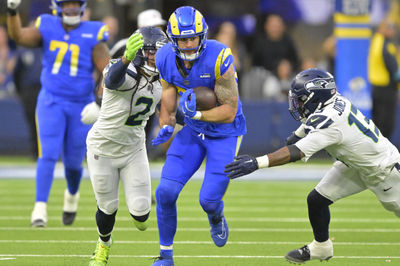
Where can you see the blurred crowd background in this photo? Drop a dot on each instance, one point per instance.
(271, 40)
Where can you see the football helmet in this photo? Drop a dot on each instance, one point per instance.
(187, 22)
(311, 90)
(153, 39)
(69, 16)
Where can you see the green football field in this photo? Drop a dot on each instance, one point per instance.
(266, 220)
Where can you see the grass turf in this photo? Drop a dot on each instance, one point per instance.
(266, 220)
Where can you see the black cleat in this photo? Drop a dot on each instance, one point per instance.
(298, 256)
(68, 218)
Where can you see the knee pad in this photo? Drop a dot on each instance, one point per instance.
(167, 192)
(139, 205)
(314, 199)
(108, 207)
(211, 207)
(141, 218)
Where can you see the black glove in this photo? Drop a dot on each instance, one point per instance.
(244, 164)
(292, 139)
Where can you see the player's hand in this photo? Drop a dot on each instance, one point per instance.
(163, 135)
(243, 165)
(187, 103)
(292, 139)
(13, 4)
(134, 43)
(90, 113)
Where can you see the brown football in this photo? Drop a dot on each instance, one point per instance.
(205, 98)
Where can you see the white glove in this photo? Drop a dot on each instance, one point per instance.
(90, 113)
(13, 4)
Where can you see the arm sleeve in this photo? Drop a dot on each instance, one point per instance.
(114, 74)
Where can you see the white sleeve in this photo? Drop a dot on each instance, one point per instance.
(317, 140)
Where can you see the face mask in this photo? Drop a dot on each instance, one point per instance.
(71, 20)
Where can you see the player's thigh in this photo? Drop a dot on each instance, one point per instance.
(135, 178)
(339, 182)
(105, 180)
(75, 137)
(220, 151)
(51, 125)
(388, 191)
(184, 156)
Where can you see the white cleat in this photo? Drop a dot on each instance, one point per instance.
(70, 207)
(313, 251)
(39, 215)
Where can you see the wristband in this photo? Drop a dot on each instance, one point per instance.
(197, 116)
(263, 161)
(11, 12)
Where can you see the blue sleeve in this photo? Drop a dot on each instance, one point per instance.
(116, 75)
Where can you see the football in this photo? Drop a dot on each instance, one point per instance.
(205, 98)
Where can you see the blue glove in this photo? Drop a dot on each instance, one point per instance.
(186, 105)
(163, 135)
(292, 139)
(244, 164)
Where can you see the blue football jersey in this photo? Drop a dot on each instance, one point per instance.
(67, 57)
(208, 68)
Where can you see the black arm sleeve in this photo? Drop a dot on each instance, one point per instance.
(294, 153)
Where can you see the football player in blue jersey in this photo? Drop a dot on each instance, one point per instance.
(72, 50)
(187, 62)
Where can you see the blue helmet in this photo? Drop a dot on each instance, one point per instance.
(187, 22)
(56, 6)
(311, 90)
(153, 39)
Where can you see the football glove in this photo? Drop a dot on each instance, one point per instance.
(292, 139)
(134, 43)
(13, 4)
(90, 113)
(243, 165)
(163, 135)
(187, 103)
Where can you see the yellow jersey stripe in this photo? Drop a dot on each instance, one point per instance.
(39, 145)
(217, 69)
(38, 21)
(100, 35)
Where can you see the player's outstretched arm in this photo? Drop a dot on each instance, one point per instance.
(246, 164)
(29, 36)
(227, 94)
(167, 118)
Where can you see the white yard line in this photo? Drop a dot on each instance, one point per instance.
(192, 229)
(190, 256)
(129, 242)
(229, 219)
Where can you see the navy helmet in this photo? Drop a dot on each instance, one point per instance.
(311, 90)
(153, 39)
(187, 22)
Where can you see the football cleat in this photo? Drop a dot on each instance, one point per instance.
(142, 226)
(313, 251)
(70, 207)
(100, 255)
(39, 215)
(163, 260)
(219, 230)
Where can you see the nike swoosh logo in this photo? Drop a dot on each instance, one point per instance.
(249, 161)
(313, 120)
(223, 234)
(227, 63)
(386, 189)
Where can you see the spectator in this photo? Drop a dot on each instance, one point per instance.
(27, 83)
(113, 29)
(275, 47)
(226, 33)
(7, 63)
(384, 74)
